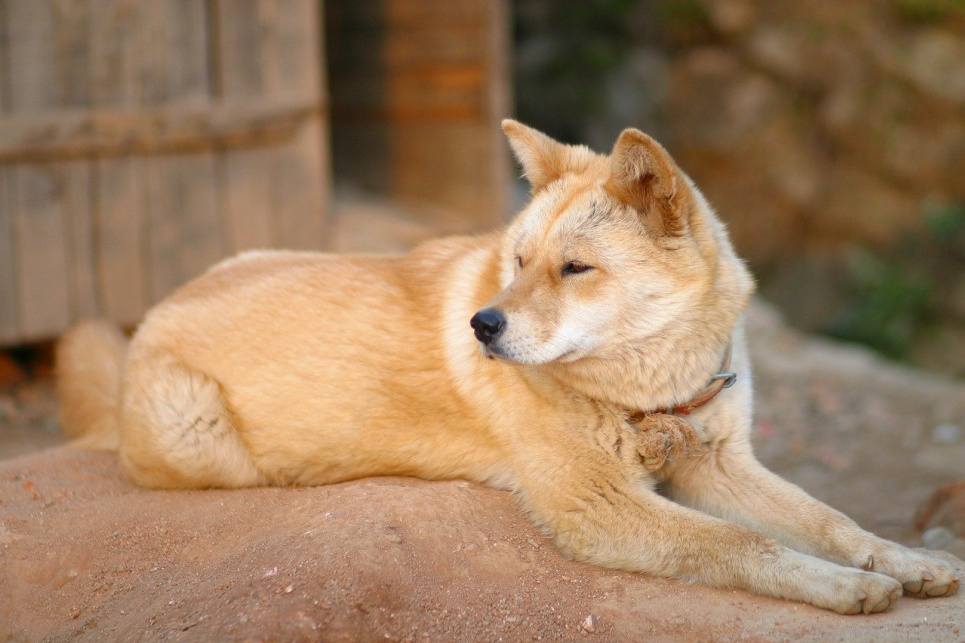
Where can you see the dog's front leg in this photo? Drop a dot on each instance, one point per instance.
(597, 512)
(727, 481)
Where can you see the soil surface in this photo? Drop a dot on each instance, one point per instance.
(86, 555)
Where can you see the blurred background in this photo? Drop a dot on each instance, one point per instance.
(142, 141)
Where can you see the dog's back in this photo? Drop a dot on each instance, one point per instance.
(282, 367)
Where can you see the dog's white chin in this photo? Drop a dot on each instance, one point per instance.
(490, 352)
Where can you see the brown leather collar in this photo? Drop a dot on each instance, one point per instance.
(721, 380)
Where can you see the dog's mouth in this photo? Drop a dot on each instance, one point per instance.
(492, 351)
(489, 352)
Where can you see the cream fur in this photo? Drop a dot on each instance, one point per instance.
(299, 368)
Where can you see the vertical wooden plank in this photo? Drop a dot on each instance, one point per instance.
(119, 256)
(4, 74)
(8, 274)
(113, 52)
(270, 50)
(248, 174)
(293, 66)
(72, 85)
(293, 56)
(302, 185)
(183, 216)
(81, 271)
(31, 58)
(42, 252)
(182, 210)
(39, 215)
(71, 46)
(248, 198)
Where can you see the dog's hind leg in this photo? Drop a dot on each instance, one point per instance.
(177, 430)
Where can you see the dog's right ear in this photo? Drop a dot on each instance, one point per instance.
(543, 159)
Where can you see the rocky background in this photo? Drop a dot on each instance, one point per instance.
(830, 136)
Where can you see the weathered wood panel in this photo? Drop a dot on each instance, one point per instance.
(71, 46)
(39, 227)
(8, 275)
(71, 20)
(303, 178)
(79, 223)
(182, 212)
(274, 196)
(120, 253)
(183, 219)
(248, 175)
(103, 132)
(42, 250)
(119, 237)
(31, 60)
(294, 66)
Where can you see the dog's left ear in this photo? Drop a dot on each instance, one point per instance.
(643, 176)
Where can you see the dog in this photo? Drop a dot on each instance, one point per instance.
(602, 325)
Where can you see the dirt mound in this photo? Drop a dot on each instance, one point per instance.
(84, 554)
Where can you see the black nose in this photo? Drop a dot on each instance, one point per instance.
(487, 324)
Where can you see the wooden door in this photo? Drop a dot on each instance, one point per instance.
(142, 141)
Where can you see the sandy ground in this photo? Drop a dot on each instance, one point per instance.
(84, 554)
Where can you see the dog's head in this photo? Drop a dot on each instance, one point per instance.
(610, 253)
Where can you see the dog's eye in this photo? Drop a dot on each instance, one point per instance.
(575, 268)
(519, 262)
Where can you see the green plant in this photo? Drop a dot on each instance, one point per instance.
(889, 306)
(897, 293)
(926, 12)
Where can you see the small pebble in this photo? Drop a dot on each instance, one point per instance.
(937, 537)
(946, 433)
(589, 624)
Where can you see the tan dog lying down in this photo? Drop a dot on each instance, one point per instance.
(613, 295)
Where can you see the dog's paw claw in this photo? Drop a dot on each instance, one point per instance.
(921, 575)
(913, 587)
(947, 589)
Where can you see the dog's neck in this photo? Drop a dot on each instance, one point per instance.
(723, 378)
(665, 374)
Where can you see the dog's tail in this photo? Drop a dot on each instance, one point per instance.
(88, 366)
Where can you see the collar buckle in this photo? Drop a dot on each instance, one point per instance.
(729, 377)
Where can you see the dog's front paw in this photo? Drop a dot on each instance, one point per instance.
(857, 592)
(921, 575)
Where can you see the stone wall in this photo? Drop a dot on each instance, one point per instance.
(822, 123)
